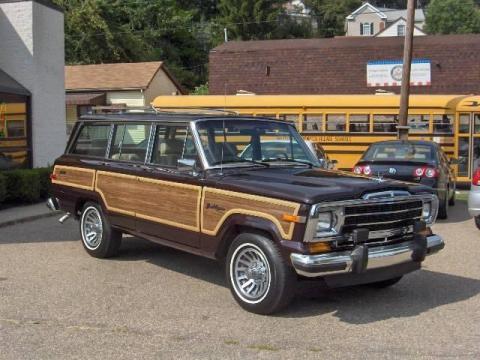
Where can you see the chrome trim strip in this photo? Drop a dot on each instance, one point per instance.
(198, 144)
(378, 257)
(384, 222)
(389, 212)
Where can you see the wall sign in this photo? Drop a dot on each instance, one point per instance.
(389, 73)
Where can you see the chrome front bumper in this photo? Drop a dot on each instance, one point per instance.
(363, 258)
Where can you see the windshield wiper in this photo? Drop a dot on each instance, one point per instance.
(240, 161)
(308, 163)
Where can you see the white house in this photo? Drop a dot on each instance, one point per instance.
(120, 84)
(32, 96)
(398, 28)
(369, 20)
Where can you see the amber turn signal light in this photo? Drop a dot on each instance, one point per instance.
(319, 247)
(293, 218)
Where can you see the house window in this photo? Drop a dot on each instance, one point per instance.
(400, 30)
(366, 29)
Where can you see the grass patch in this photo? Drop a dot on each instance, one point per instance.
(263, 347)
(231, 342)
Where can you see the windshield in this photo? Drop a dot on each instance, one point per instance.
(400, 152)
(249, 141)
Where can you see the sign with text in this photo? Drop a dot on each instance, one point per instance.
(389, 73)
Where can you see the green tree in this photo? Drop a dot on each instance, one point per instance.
(102, 31)
(452, 17)
(330, 15)
(250, 19)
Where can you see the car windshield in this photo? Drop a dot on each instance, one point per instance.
(400, 152)
(253, 142)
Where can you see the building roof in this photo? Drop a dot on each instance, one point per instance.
(11, 86)
(387, 14)
(48, 3)
(339, 65)
(393, 24)
(117, 76)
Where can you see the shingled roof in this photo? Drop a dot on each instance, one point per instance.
(339, 65)
(118, 76)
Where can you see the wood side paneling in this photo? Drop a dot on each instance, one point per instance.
(118, 191)
(74, 177)
(169, 203)
(165, 202)
(218, 205)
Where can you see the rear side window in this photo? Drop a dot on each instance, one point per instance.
(92, 140)
(130, 142)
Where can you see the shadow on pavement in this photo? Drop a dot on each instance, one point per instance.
(416, 293)
(135, 249)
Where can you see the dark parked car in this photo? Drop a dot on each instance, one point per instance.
(422, 162)
(274, 217)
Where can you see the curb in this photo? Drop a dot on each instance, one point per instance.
(29, 218)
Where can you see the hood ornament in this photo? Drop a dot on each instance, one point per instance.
(379, 177)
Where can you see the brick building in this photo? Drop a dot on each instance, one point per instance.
(339, 65)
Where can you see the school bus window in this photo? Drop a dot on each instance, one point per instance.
(267, 115)
(312, 122)
(443, 124)
(464, 123)
(385, 123)
(291, 118)
(336, 122)
(476, 123)
(419, 123)
(359, 123)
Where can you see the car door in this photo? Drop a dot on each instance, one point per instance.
(168, 195)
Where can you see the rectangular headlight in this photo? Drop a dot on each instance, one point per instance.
(324, 222)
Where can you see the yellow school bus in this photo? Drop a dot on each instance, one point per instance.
(346, 124)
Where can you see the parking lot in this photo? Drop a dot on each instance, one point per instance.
(155, 302)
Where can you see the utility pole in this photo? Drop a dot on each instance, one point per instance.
(407, 62)
(225, 34)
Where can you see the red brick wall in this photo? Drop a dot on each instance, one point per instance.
(338, 66)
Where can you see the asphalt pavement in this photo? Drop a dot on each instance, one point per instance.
(153, 302)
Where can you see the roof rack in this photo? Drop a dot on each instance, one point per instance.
(194, 110)
(120, 109)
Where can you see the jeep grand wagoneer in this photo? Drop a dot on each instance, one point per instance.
(275, 217)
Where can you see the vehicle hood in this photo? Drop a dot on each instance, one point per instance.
(308, 186)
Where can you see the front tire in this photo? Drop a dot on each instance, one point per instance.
(451, 202)
(98, 237)
(443, 207)
(257, 274)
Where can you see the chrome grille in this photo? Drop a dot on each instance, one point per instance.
(384, 220)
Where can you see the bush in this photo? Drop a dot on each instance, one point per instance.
(3, 188)
(26, 185)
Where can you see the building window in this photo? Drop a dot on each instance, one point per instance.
(400, 30)
(366, 29)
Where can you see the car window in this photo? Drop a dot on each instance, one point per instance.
(237, 141)
(130, 142)
(173, 143)
(92, 140)
(400, 152)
